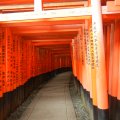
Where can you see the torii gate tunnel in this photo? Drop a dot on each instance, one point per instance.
(39, 38)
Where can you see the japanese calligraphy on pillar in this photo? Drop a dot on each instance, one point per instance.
(92, 49)
(87, 46)
(3, 59)
(1, 92)
(95, 44)
(81, 49)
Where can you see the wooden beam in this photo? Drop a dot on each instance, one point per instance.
(46, 14)
(63, 5)
(55, 46)
(51, 43)
(52, 34)
(111, 7)
(61, 55)
(53, 15)
(43, 22)
(57, 4)
(47, 27)
(61, 51)
(60, 40)
(46, 6)
(53, 37)
(117, 2)
(49, 40)
(15, 2)
(37, 32)
(60, 48)
(24, 6)
(52, 26)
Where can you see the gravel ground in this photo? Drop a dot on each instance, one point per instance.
(80, 110)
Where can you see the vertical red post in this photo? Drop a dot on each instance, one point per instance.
(115, 62)
(1, 80)
(101, 82)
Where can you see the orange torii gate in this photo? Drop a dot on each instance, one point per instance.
(94, 51)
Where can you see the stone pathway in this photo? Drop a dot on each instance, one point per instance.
(52, 102)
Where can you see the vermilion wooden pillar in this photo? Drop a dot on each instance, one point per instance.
(115, 61)
(80, 38)
(92, 63)
(108, 52)
(1, 80)
(7, 71)
(16, 60)
(99, 60)
(118, 93)
(74, 57)
(114, 101)
(88, 64)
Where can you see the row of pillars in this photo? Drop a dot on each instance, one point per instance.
(96, 63)
(21, 60)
